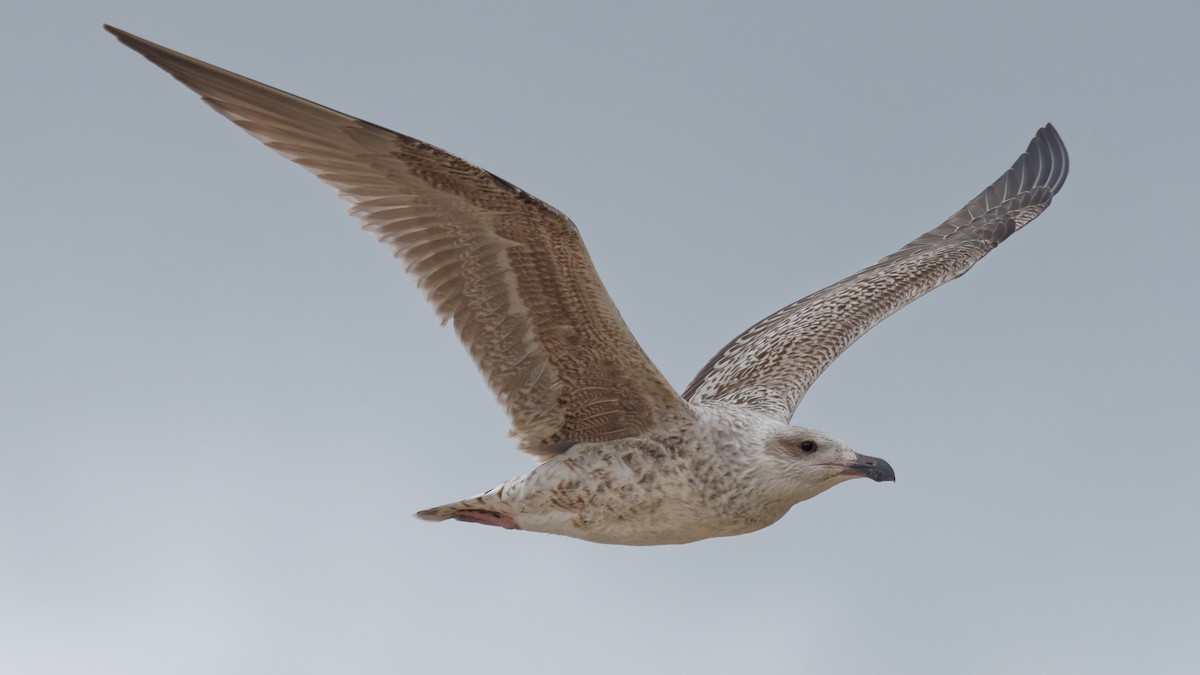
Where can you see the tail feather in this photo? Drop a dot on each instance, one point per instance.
(474, 510)
(440, 513)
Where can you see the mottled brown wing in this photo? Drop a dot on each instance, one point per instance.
(510, 271)
(771, 366)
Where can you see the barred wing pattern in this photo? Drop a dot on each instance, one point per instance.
(770, 366)
(511, 272)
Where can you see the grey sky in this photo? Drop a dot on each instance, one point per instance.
(220, 402)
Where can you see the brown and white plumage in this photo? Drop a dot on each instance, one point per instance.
(508, 270)
(625, 458)
(772, 364)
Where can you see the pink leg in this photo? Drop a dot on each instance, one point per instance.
(487, 518)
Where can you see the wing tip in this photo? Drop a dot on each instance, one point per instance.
(156, 53)
(1048, 151)
(124, 36)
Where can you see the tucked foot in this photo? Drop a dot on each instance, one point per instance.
(486, 518)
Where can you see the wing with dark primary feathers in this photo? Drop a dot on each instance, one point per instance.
(770, 366)
(510, 271)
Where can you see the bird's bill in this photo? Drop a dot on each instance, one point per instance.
(865, 466)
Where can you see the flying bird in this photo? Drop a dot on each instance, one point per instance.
(624, 458)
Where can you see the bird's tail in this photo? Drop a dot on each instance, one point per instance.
(474, 510)
(439, 513)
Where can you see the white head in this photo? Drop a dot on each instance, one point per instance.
(806, 462)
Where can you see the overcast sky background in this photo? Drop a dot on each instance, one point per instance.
(220, 402)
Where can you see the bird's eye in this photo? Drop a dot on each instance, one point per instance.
(808, 446)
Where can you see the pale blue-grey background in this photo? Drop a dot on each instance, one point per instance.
(220, 402)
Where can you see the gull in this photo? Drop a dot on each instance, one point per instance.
(624, 458)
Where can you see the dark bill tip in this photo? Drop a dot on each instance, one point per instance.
(874, 468)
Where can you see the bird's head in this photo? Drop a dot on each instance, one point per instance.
(808, 462)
